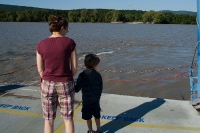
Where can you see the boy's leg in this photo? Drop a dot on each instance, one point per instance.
(98, 123)
(96, 113)
(89, 124)
(87, 115)
(48, 126)
(69, 126)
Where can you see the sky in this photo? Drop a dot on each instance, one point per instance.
(144, 5)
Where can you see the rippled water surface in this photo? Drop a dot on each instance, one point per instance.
(135, 58)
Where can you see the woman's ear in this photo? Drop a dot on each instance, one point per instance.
(67, 28)
(62, 28)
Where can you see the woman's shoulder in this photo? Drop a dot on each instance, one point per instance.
(68, 38)
(57, 38)
(44, 40)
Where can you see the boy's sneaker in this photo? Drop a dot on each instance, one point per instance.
(98, 131)
(89, 131)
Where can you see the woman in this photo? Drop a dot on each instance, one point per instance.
(57, 64)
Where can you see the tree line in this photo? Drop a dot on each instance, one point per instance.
(97, 16)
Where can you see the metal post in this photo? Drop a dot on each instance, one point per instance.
(198, 39)
(195, 80)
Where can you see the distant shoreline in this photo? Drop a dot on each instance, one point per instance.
(127, 22)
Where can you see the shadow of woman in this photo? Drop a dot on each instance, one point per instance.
(123, 119)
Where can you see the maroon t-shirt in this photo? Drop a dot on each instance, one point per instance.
(56, 53)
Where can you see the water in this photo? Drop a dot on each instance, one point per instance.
(132, 55)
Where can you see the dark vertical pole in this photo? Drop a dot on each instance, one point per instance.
(198, 40)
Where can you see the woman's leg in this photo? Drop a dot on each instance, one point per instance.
(69, 126)
(48, 126)
(66, 101)
(49, 105)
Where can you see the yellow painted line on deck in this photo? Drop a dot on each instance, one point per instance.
(20, 113)
(15, 112)
(62, 126)
(77, 110)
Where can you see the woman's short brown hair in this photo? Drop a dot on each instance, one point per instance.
(56, 23)
(91, 60)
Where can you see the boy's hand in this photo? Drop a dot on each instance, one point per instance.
(75, 81)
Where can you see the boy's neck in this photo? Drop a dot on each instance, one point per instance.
(91, 68)
(94, 68)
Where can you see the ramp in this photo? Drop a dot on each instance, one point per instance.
(21, 112)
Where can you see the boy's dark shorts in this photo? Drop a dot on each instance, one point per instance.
(91, 109)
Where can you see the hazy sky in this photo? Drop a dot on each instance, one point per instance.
(145, 5)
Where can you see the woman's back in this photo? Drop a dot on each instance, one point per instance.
(56, 52)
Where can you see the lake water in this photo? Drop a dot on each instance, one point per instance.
(135, 58)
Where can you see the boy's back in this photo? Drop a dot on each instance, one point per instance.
(90, 81)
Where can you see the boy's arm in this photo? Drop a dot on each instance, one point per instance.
(78, 85)
(101, 85)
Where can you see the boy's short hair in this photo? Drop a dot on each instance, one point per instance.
(91, 60)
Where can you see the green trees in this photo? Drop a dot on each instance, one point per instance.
(148, 16)
(30, 14)
(94, 15)
(73, 16)
(115, 16)
(158, 18)
(168, 18)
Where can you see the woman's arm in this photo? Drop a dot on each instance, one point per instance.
(40, 64)
(78, 85)
(74, 62)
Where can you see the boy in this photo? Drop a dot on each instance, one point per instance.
(90, 81)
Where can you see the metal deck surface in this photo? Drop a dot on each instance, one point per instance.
(21, 112)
